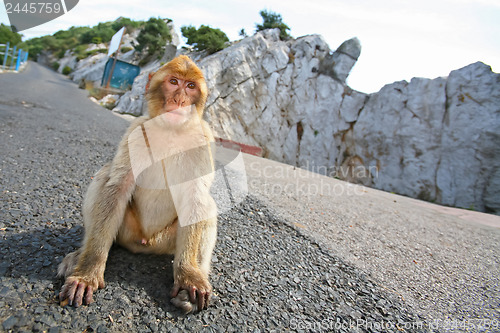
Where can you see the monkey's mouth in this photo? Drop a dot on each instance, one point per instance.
(170, 107)
(180, 110)
(179, 115)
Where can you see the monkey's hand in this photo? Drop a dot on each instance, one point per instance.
(191, 295)
(78, 290)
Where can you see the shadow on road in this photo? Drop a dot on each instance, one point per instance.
(36, 255)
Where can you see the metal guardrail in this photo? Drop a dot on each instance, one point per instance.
(13, 57)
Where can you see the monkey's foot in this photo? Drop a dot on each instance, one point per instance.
(78, 290)
(191, 299)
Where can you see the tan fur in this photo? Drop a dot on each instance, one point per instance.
(145, 219)
(183, 67)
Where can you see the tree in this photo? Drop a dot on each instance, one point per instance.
(8, 36)
(76, 39)
(205, 38)
(127, 23)
(243, 33)
(272, 20)
(154, 36)
(71, 38)
(101, 33)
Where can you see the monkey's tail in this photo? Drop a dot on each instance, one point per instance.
(67, 266)
(182, 302)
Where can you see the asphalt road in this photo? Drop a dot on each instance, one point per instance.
(287, 259)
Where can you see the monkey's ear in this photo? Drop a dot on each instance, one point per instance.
(150, 76)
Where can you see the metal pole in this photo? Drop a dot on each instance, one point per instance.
(114, 61)
(6, 55)
(18, 62)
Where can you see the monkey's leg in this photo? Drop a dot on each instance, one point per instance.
(103, 211)
(192, 290)
(67, 266)
(164, 242)
(130, 234)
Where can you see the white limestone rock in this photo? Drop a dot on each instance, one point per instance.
(69, 60)
(176, 40)
(109, 100)
(95, 47)
(437, 140)
(467, 175)
(90, 69)
(261, 88)
(397, 136)
(338, 65)
(133, 101)
(492, 193)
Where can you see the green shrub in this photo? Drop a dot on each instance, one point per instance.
(7, 36)
(154, 36)
(55, 65)
(125, 49)
(66, 70)
(243, 33)
(205, 38)
(81, 51)
(93, 52)
(75, 38)
(57, 43)
(272, 20)
(61, 53)
(129, 25)
(101, 33)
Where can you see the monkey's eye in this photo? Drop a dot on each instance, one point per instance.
(173, 81)
(191, 85)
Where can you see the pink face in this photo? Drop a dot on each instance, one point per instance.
(179, 93)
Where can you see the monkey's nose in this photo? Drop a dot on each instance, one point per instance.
(178, 101)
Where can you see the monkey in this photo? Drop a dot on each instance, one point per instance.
(154, 196)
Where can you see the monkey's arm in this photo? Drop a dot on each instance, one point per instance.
(193, 254)
(103, 210)
(196, 234)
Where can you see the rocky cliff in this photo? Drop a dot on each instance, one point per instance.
(437, 140)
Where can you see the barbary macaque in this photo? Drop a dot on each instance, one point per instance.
(154, 196)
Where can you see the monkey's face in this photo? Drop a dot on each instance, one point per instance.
(179, 93)
(177, 84)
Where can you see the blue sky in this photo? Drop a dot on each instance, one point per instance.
(400, 39)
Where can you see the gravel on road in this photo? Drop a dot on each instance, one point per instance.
(443, 262)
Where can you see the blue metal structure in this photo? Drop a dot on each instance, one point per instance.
(123, 74)
(17, 57)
